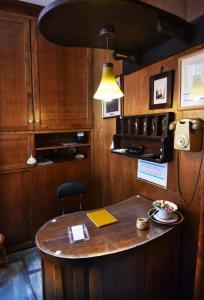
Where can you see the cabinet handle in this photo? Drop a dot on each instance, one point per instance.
(30, 121)
(37, 121)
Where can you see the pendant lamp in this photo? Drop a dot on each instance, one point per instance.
(108, 88)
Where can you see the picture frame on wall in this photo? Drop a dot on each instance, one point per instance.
(161, 90)
(191, 81)
(114, 107)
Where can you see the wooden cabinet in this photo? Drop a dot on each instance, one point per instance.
(43, 86)
(15, 208)
(28, 199)
(58, 151)
(44, 89)
(16, 108)
(44, 183)
(64, 87)
(15, 218)
(14, 151)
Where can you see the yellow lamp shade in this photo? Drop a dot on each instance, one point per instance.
(108, 88)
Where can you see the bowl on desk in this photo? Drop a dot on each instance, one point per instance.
(165, 209)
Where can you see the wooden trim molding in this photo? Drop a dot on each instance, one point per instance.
(20, 7)
(199, 276)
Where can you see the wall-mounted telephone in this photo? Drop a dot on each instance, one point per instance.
(188, 134)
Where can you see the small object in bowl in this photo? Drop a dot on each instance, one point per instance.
(142, 223)
(165, 208)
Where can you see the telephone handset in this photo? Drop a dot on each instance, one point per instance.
(188, 134)
(196, 123)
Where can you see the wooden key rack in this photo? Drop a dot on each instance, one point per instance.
(145, 136)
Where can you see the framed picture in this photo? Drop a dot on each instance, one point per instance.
(161, 90)
(191, 81)
(114, 107)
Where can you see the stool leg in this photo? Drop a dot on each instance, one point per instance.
(62, 205)
(5, 257)
(80, 205)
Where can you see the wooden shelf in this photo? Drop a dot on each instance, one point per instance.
(64, 161)
(61, 147)
(145, 137)
(139, 136)
(139, 156)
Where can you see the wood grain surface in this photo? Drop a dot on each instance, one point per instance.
(15, 215)
(14, 151)
(120, 173)
(61, 72)
(113, 238)
(16, 80)
(118, 262)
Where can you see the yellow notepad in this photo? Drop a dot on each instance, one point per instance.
(101, 217)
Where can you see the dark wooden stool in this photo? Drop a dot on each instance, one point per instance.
(3, 256)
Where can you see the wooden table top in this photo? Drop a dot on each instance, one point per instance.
(52, 237)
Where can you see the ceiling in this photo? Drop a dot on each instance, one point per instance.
(38, 2)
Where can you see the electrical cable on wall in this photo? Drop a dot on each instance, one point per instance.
(197, 179)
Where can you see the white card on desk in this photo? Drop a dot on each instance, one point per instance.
(77, 232)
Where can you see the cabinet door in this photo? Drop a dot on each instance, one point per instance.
(14, 151)
(64, 86)
(15, 221)
(44, 184)
(15, 73)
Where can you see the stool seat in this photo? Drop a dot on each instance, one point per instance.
(3, 256)
(69, 189)
(2, 240)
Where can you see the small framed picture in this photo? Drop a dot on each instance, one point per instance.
(114, 107)
(161, 90)
(191, 81)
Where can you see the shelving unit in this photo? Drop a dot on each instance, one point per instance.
(145, 136)
(61, 146)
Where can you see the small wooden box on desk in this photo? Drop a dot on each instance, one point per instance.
(145, 136)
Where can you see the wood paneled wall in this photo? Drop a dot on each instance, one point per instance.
(174, 6)
(115, 176)
(194, 9)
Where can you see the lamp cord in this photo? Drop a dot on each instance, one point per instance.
(197, 179)
(107, 48)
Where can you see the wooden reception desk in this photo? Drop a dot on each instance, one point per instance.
(118, 262)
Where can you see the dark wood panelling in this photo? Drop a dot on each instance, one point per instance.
(199, 278)
(15, 84)
(14, 151)
(15, 215)
(64, 86)
(195, 9)
(44, 184)
(102, 139)
(119, 174)
(175, 7)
